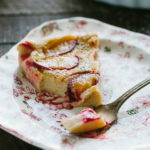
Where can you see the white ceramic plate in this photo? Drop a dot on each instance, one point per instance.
(124, 56)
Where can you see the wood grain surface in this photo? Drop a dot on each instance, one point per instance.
(18, 17)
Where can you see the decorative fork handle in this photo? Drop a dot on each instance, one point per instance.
(119, 101)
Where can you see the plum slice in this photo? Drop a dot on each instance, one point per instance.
(87, 120)
(61, 48)
(25, 50)
(88, 115)
(81, 82)
(57, 63)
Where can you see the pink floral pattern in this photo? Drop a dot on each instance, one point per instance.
(46, 29)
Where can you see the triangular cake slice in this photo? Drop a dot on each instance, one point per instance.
(67, 67)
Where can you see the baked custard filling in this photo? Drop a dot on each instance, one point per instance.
(67, 67)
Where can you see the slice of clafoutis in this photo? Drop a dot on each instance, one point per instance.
(87, 120)
(67, 67)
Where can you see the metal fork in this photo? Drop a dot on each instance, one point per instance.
(109, 112)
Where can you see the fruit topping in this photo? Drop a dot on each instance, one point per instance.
(25, 49)
(57, 63)
(61, 49)
(80, 83)
(89, 115)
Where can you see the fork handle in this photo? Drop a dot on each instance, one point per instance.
(119, 101)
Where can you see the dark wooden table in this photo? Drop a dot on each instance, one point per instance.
(17, 17)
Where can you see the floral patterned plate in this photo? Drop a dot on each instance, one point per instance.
(124, 56)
